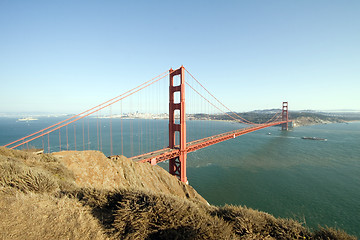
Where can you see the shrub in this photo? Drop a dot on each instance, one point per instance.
(17, 175)
(332, 233)
(251, 223)
(134, 214)
(143, 215)
(29, 172)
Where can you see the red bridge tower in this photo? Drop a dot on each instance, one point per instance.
(285, 116)
(177, 165)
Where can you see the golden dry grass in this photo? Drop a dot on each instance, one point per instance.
(34, 173)
(146, 216)
(329, 233)
(65, 197)
(40, 216)
(134, 214)
(93, 169)
(251, 224)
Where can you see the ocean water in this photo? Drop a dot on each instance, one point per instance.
(315, 182)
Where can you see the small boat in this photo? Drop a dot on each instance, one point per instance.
(27, 119)
(269, 134)
(314, 138)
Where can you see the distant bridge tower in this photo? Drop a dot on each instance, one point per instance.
(285, 116)
(177, 165)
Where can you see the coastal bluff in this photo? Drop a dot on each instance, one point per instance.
(85, 195)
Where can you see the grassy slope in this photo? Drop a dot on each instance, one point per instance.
(93, 169)
(40, 198)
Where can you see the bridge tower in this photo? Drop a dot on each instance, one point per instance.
(177, 165)
(285, 116)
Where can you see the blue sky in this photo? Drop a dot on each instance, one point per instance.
(67, 56)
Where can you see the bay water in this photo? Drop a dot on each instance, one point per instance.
(315, 182)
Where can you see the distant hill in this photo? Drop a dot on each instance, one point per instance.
(84, 195)
(300, 118)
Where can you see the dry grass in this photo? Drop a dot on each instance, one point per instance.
(146, 216)
(17, 175)
(251, 224)
(133, 214)
(34, 173)
(332, 233)
(40, 199)
(93, 169)
(39, 216)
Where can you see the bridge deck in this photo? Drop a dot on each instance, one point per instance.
(167, 153)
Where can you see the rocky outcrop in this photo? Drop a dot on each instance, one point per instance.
(94, 169)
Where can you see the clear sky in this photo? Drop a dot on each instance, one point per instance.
(67, 56)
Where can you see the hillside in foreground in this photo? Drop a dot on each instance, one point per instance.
(84, 195)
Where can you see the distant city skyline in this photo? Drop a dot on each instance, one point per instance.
(68, 56)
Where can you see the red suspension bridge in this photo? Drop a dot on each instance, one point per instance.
(157, 130)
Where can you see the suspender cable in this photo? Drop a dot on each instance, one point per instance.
(166, 73)
(88, 135)
(121, 126)
(245, 121)
(67, 139)
(48, 143)
(97, 131)
(100, 131)
(83, 133)
(131, 131)
(89, 112)
(75, 135)
(111, 143)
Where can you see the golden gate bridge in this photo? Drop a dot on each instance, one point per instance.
(156, 97)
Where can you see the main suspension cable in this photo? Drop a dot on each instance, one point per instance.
(243, 119)
(129, 93)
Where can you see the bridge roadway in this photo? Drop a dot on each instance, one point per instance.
(168, 153)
